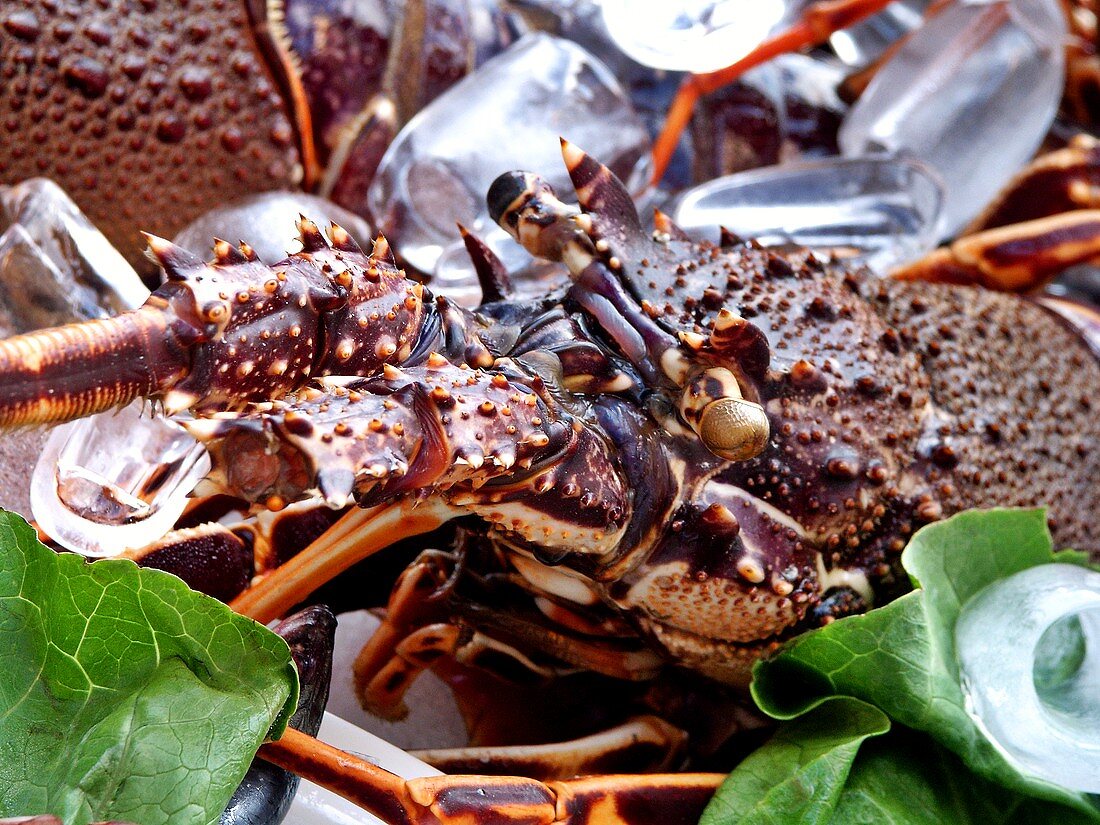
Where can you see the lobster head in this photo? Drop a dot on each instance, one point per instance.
(699, 435)
(788, 418)
(771, 361)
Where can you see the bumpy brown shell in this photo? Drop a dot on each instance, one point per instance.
(1014, 391)
(114, 99)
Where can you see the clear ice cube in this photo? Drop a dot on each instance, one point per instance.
(582, 22)
(112, 481)
(1028, 652)
(33, 292)
(878, 211)
(650, 90)
(971, 93)
(454, 275)
(55, 267)
(694, 35)
(98, 280)
(779, 112)
(115, 481)
(507, 115)
(863, 43)
(268, 223)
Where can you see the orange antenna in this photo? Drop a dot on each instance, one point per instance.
(816, 24)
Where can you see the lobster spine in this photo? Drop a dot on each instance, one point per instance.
(68, 372)
(234, 331)
(433, 426)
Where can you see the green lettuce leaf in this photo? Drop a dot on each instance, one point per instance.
(907, 779)
(799, 774)
(124, 694)
(900, 658)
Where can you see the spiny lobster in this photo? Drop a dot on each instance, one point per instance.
(689, 454)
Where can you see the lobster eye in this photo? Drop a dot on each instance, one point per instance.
(734, 429)
(728, 425)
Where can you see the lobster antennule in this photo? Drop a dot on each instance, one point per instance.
(59, 374)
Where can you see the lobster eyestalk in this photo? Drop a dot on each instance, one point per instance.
(80, 369)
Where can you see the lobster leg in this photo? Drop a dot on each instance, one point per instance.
(383, 692)
(642, 744)
(360, 534)
(412, 655)
(418, 628)
(818, 21)
(426, 619)
(1015, 258)
(1060, 181)
(449, 800)
(417, 600)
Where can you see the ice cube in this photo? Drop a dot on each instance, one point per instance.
(507, 115)
(267, 223)
(111, 481)
(694, 35)
(878, 211)
(55, 267)
(582, 22)
(1028, 652)
(115, 481)
(863, 43)
(33, 292)
(781, 111)
(101, 281)
(650, 90)
(971, 93)
(454, 275)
